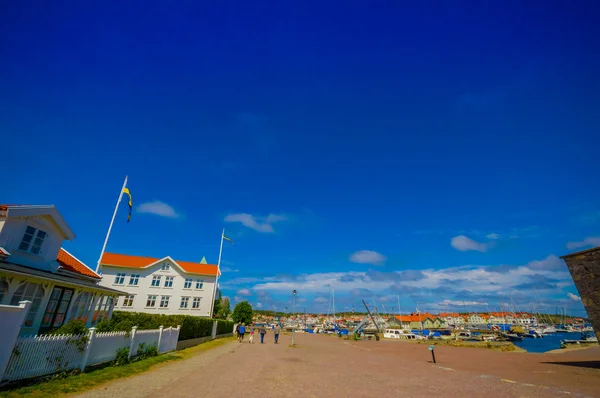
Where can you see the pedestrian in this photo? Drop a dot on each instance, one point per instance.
(237, 331)
(242, 331)
(263, 331)
(251, 332)
(276, 331)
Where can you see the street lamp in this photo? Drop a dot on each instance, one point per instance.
(293, 311)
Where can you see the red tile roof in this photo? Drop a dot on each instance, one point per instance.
(125, 260)
(72, 264)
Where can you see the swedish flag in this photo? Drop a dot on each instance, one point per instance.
(130, 203)
(227, 239)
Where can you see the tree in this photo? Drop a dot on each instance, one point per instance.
(242, 313)
(224, 309)
(217, 306)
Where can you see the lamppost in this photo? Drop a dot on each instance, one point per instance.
(293, 311)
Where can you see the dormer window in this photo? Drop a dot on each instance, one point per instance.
(32, 240)
(165, 267)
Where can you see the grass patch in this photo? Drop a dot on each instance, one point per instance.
(99, 376)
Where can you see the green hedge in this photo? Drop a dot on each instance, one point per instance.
(192, 327)
(224, 327)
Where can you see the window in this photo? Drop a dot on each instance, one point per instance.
(188, 283)
(196, 303)
(102, 309)
(119, 279)
(79, 309)
(128, 300)
(169, 281)
(164, 301)
(199, 284)
(165, 267)
(32, 292)
(32, 240)
(151, 301)
(184, 302)
(156, 280)
(56, 310)
(134, 279)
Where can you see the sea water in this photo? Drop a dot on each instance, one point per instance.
(547, 343)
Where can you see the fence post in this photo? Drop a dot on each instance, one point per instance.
(10, 332)
(160, 331)
(88, 348)
(174, 343)
(214, 330)
(132, 341)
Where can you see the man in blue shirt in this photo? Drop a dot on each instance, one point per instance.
(242, 330)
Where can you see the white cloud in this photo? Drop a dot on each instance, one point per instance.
(227, 269)
(237, 299)
(445, 303)
(549, 263)
(257, 223)
(367, 257)
(259, 305)
(591, 241)
(244, 292)
(493, 236)
(158, 208)
(321, 300)
(464, 244)
(574, 297)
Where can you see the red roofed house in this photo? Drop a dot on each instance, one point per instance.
(160, 285)
(34, 267)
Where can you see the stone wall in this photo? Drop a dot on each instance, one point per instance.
(585, 270)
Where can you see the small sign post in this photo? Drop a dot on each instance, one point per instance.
(431, 347)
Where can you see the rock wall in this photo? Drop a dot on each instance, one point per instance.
(585, 270)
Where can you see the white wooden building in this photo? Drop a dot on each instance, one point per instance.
(34, 267)
(160, 285)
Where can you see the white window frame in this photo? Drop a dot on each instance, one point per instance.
(169, 281)
(157, 279)
(134, 278)
(188, 283)
(199, 284)
(185, 302)
(196, 303)
(129, 299)
(164, 300)
(33, 244)
(151, 298)
(120, 278)
(165, 267)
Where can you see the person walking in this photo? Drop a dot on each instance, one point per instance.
(237, 331)
(242, 331)
(251, 332)
(276, 332)
(263, 331)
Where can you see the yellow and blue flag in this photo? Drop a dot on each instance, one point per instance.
(227, 239)
(130, 203)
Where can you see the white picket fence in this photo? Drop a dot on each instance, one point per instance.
(35, 356)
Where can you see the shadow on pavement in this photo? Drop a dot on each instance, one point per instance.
(580, 364)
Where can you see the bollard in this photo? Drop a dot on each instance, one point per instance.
(431, 347)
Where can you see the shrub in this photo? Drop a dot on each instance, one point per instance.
(242, 313)
(122, 356)
(224, 327)
(74, 326)
(191, 326)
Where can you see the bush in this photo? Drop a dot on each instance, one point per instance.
(74, 327)
(224, 327)
(191, 326)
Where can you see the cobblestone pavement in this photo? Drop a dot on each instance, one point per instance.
(325, 366)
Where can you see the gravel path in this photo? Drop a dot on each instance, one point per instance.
(324, 366)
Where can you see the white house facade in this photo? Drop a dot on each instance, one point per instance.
(35, 267)
(160, 285)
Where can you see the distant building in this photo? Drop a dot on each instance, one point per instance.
(34, 267)
(160, 285)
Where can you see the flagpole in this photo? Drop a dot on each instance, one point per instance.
(111, 224)
(212, 305)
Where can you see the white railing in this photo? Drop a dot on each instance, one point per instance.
(34, 356)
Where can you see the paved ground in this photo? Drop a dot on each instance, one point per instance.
(323, 366)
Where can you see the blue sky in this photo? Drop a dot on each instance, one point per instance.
(443, 153)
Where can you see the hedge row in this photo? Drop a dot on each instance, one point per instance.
(191, 326)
